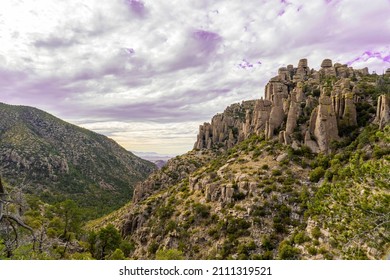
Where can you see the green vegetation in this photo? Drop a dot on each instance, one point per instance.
(170, 254)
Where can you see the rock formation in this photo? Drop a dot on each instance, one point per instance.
(307, 107)
(225, 129)
(325, 124)
(383, 111)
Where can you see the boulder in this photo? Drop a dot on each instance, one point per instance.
(326, 63)
(282, 157)
(311, 144)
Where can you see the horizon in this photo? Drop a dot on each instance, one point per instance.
(147, 74)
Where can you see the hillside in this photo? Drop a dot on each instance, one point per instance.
(300, 174)
(55, 160)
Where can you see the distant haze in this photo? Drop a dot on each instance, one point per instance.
(151, 156)
(147, 73)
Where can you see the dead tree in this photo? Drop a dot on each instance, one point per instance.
(9, 219)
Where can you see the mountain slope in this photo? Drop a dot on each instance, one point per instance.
(303, 175)
(53, 159)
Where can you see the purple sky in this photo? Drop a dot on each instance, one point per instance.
(147, 73)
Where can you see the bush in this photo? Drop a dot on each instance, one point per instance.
(237, 196)
(312, 251)
(153, 247)
(256, 153)
(279, 227)
(117, 255)
(316, 174)
(276, 172)
(316, 232)
(170, 254)
(267, 243)
(237, 227)
(300, 238)
(246, 249)
(201, 210)
(287, 252)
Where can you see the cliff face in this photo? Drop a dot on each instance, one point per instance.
(301, 106)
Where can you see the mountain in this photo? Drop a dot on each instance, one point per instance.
(300, 174)
(53, 159)
(158, 159)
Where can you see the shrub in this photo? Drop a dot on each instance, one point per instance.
(279, 227)
(170, 254)
(317, 174)
(276, 172)
(238, 196)
(300, 238)
(153, 247)
(312, 251)
(267, 243)
(237, 227)
(245, 249)
(201, 210)
(117, 255)
(256, 153)
(287, 252)
(316, 232)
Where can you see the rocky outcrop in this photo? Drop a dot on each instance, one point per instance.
(327, 69)
(343, 102)
(325, 125)
(383, 111)
(277, 94)
(302, 71)
(175, 170)
(256, 120)
(226, 129)
(293, 114)
(300, 106)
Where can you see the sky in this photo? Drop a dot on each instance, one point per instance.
(147, 73)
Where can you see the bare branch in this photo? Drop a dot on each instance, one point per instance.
(2, 191)
(18, 221)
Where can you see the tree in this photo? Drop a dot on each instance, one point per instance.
(116, 255)
(70, 215)
(10, 222)
(64, 224)
(109, 239)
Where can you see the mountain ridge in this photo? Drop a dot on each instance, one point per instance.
(52, 158)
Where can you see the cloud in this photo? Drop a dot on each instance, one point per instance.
(137, 7)
(54, 42)
(173, 64)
